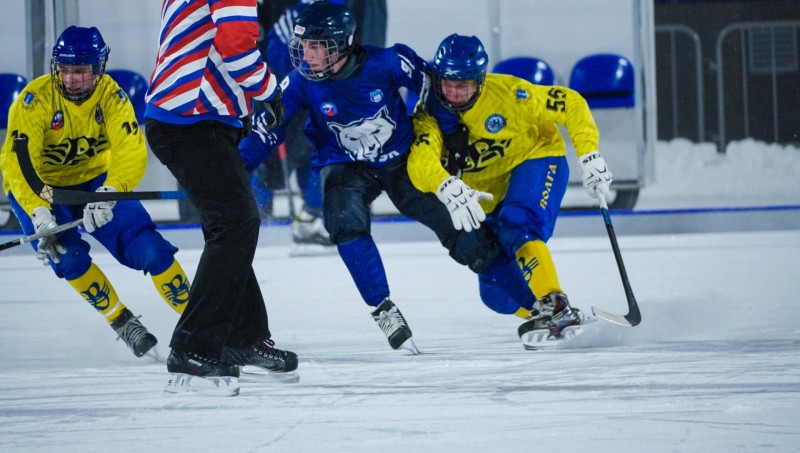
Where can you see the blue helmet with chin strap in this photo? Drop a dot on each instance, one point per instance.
(460, 58)
(329, 25)
(79, 46)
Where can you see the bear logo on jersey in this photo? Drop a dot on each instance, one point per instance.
(364, 138)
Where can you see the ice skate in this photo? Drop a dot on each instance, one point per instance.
(394, 325)
(195, 373)
(264, 356)
(552, 322)
(133, 333)
(308, 228)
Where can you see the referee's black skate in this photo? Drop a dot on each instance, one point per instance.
(394, 325)
(196, 373)
(133, 333)
(263, 354)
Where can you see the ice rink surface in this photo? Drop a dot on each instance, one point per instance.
(713, 367)
(711, 250)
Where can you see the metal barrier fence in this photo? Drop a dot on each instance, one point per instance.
(672, 30)
(765, 48)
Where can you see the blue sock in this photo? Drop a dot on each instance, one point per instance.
(364, 263)
(262, 193)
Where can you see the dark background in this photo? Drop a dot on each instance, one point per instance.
(708, 19)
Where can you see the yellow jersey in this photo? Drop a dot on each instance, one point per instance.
(70, 144)
(512, 121)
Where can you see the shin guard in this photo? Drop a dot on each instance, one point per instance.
(537, 267)
(173, 285)
(95, 288)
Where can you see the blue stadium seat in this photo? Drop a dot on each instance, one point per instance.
(531, 69)
(605, 80)
(136, 87)
(11, 86)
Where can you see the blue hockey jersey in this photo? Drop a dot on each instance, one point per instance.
(359, 119)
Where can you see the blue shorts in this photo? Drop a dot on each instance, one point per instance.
(131, 237)
(530, 207)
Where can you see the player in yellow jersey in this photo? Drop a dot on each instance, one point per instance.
(83, 135)
(512, 150)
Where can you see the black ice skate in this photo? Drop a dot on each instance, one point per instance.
(394, 325)
(550, 317)
(263, 354)
(196, 373)
(133, 333)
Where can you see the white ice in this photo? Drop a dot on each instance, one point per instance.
(713, 367)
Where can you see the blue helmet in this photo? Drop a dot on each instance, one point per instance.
(459, 58)
(329, 24)
(79, 46)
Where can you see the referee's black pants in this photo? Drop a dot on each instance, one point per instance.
(225, 303)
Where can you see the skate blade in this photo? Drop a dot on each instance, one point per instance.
(156, 355)
(290, 377)
(299, 250)
(409, 346)
(541, 339)
(182, 384)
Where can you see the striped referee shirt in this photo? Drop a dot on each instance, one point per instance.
(208, 65)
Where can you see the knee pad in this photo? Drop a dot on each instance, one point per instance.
(75, 262)
(149, 252)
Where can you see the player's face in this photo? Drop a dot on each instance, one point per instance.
(315, 54)
(458, 92)
(77, 78)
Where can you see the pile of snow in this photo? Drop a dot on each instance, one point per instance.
(749, 173)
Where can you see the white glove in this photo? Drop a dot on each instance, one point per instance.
(596, 175)
(48, 246)
(462, 202)
(98, 213)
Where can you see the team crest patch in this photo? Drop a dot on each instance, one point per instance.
(98, 114)
(28, 99)
(58, 121)
(522, 94)
(376, 96)
(328, 109)
(495, 123)
(121, 94)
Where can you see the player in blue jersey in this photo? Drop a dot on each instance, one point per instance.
(307, 226)
(361, 135)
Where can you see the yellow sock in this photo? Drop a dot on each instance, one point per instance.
(537, 266)
(523, 313)
(96, 289)
(173, 285)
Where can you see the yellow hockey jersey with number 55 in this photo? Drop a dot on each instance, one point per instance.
(512, 121)
(70, 144)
